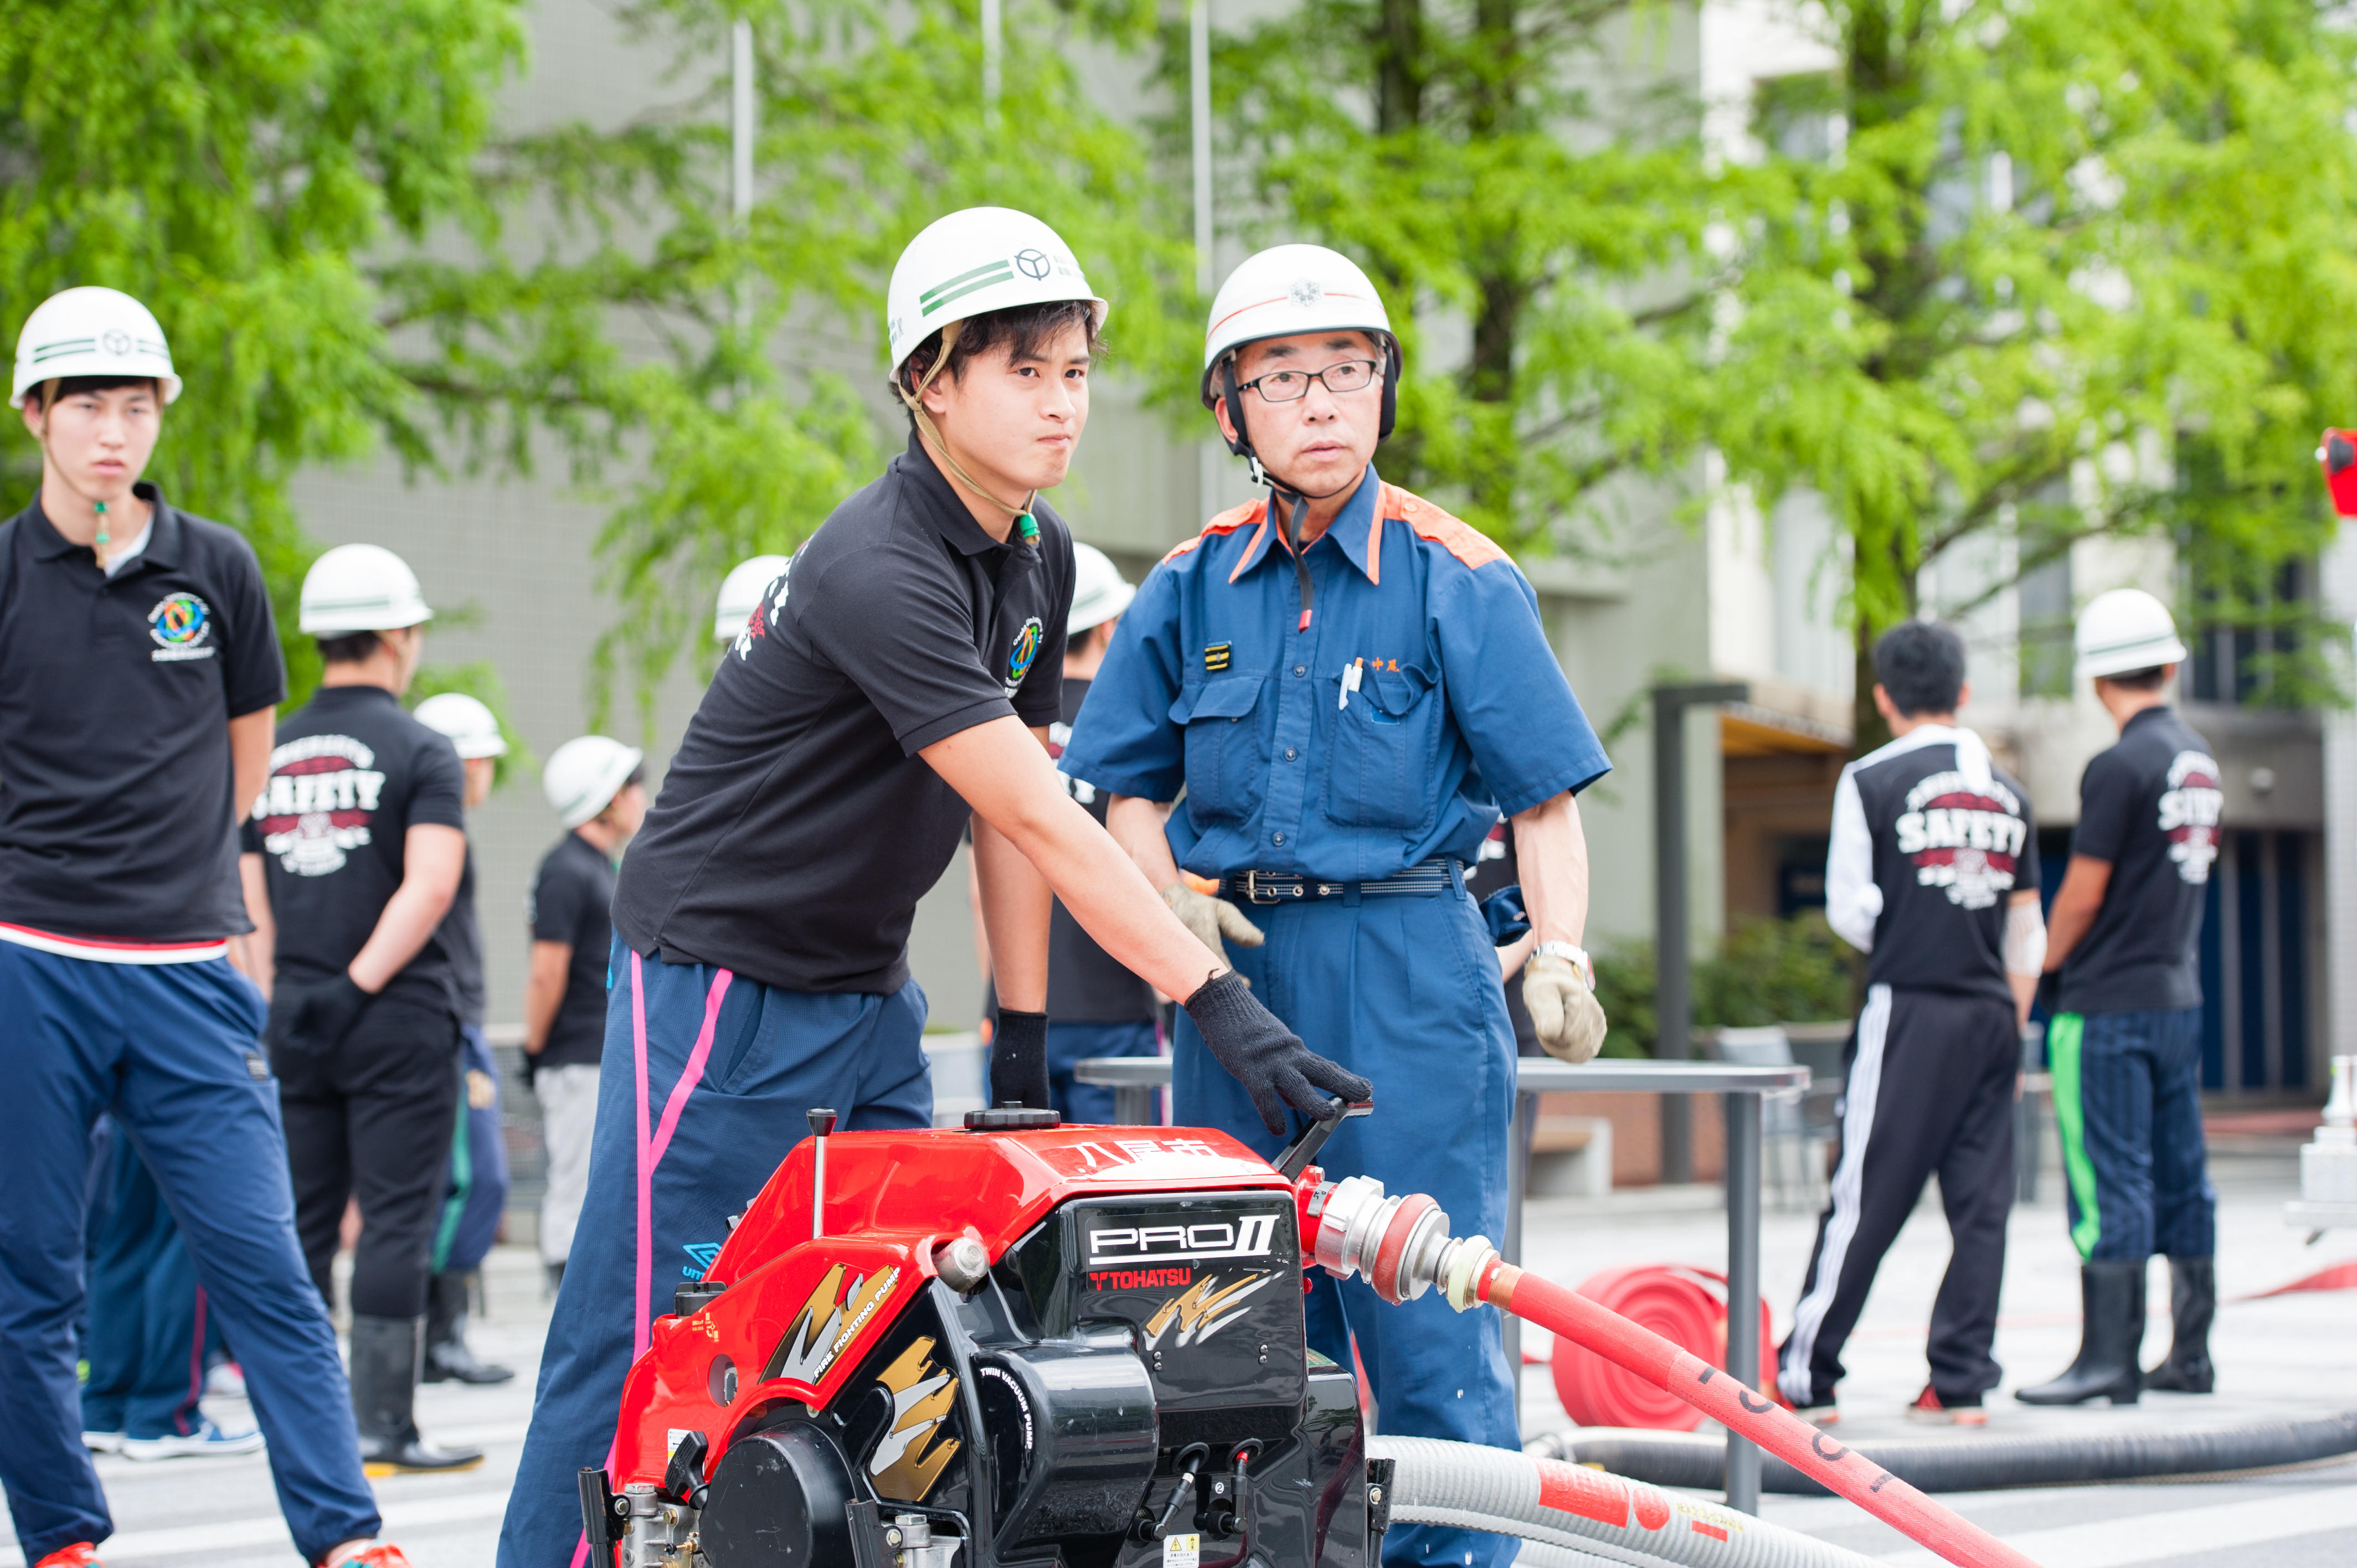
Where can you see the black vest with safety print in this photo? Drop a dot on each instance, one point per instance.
(1948, 854)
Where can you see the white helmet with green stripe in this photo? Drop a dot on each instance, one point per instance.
(974, 262)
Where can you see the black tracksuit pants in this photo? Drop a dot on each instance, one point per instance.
(371, 1118)
(1929, 1087)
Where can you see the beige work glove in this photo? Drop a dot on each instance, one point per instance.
(1563, 1009)
(1210, 919)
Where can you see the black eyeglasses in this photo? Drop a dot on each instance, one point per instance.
(1291, 386)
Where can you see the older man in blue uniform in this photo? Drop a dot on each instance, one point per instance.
(1351, 685)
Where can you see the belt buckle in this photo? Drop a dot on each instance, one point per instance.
(1253, 895)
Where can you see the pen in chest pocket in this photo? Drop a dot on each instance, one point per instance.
(1353, 674)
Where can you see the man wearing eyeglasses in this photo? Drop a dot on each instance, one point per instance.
(1350, 685)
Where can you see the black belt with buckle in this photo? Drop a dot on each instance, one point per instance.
(1438, 875)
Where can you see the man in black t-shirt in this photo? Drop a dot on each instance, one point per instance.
(896, 685)
(139, 676)
(596, 787)
(1932, 872)
(2124, 1043)
(353, 858)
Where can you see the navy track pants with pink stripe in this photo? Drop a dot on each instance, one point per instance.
(703, 1092)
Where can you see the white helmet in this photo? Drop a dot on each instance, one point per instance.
(2125, 630)
(472, 729)
(741, 591)
(1288, 289)
(91, 332)
(360, 587)
(586, 774)
(1099, 590)
(974, 262)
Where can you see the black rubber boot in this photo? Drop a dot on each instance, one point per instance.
(2111, 1332)
(448, 1359)
(386, 1352)
(2193, 1303)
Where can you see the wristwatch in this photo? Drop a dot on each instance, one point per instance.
(1571, 954)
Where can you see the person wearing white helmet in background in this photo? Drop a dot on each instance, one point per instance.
(139, 680)
(596, 786)
(1096, 1008)
(897, 683)
(2123, 1043)
(741, 591)
(353, 857)
(1350, 685)
(469, 1221)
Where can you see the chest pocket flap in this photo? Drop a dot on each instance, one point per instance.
(1227, 752)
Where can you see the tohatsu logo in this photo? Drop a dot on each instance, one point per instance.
(1249, 1236)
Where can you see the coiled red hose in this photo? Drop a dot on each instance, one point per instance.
(1686, 1307)
(1742, 1410)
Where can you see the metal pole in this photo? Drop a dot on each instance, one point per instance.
(991, 40)
(1198, 108)
(1672, 1009)
(1518, 1173)
(1743, 1283)
(740, 124)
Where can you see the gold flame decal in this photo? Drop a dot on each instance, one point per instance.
(1205, 1309)
(912, 1453)
(827, 1324)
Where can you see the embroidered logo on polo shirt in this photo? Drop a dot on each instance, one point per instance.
(1215, 658)
(1025, 652)
(182, 625)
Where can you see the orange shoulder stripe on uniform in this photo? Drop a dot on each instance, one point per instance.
(1228, 521)
(1462, 540)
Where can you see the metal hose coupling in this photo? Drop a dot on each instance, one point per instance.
(1401, 1244)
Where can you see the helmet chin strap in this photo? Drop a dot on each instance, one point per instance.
(1025, 526)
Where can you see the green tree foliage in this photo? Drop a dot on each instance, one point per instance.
(1791, 970)
(2065, 268)
(228, 165)
(757, 409)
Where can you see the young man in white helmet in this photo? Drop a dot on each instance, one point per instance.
(897, 683)
(469, 1222)
(139, 677)
(1350, 685)
(352, 859)
(2124, 1039)
(1096, 1008)
(596, 785)
(741, 593)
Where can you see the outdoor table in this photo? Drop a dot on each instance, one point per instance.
(1137, 1082)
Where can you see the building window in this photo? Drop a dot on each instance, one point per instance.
(2043, 599)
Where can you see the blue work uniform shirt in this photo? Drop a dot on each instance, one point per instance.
(1461, 710)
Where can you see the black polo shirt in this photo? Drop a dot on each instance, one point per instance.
(571, 901)
(797, 826)
(461, 936)
(116, 816)
(351, 774)
(2150, 805)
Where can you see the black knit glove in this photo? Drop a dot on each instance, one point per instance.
(2050, 993)
(1276, 1069)
(1018, 1061)
(323, 1017)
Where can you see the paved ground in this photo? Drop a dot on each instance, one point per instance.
(2293, 1353)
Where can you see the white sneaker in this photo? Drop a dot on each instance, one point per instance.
(102, 1442)
(207, 1439)
(226, 1380)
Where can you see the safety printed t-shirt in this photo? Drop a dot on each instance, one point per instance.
(462, 937)
(2150, 805)
(116, 816)
(1930, 839)
(351, 774)
(1420, 702)
(797, 827)
(572, 900)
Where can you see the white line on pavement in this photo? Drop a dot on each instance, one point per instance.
(2155, 1537)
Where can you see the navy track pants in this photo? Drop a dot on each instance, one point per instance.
(703, 1093)
(145, 1337)
(477, 1190)
(1403, 991)
(171, 1052)
(2128, 1098)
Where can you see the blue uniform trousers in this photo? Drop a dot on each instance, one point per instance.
(2128, 1097)
(479, 1167)
(170, 1051)
(1404, 992)
(145, 1337)
(703, 1092)
(1070, 1043)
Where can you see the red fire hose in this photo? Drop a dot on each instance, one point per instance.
(1741, 1410)
(1686, 1307)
